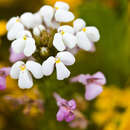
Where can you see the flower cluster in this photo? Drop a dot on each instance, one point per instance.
(44, 41)
(30, 32)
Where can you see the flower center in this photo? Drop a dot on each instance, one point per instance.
(84, 29)
(17, 20)
(24, 38)
(22, 67)
(57, 8)
(57, 60)
(62, 32)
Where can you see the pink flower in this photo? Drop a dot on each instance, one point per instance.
(66, 109)
(4, 72)
(15, 57)
(93, 84)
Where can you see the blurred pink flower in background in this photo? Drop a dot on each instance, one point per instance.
(4, 72)
(93, 84)
(66, 109)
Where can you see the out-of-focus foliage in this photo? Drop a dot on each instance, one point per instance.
(112, 52)
(19, 107)
(113, 109)
(112, 57)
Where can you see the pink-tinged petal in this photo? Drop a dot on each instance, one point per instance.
(5, 71)
(70, 117)
(15, 57)
(65, 110)
(93, 48)
(101, 80)
(92, 90)
(74, 51)
(80, 78)
(59, 100)
(2, 83)
(72, 104)
(60, 115)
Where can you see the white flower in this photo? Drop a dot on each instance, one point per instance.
(64, 38)
(38, 29)
(59, 13)
(85, 35)
(37, 19)
(22, 72)
(62, 13)
(47, 13)
(14, 26)
(28, 20)
(24, 43)
(62, 59)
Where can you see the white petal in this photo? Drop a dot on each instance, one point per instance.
(54, 24)
(83, 41)
(58, 42)
(13, 32)
(30, 47)
(66, 28)
(93, 34)
(47, 12)
(48, 66)
(63, 16)
(70, 40)
(79, 24)
(35, 68)
(38, 29)
(28, 20)
(62, 71)
(24, 33)
(37, 19)
(15, 69)
(62, 5)
(11, 22)
(41, 27)
(18, 46)
(66, 57)
(25, 80)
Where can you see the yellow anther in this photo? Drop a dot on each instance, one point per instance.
(57, 8)
(24, 38)
(62, 32)
(17, 20)
(22, 67)
(84, 29)
(57, 60)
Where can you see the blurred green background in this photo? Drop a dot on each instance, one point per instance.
(112, 55)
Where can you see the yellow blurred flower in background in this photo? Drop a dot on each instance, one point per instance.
(2, 27)
(113, 109)
(73, 3)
